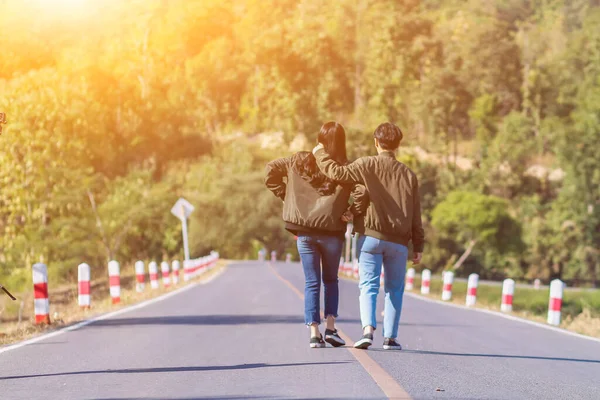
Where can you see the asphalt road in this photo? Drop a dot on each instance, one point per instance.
(242, 337)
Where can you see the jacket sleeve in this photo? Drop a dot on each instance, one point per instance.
(276, 172)
(360, 199)
(350, 173)
(418, 234)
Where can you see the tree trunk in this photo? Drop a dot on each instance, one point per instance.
(466, 254)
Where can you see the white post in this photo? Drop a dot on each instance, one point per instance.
(153, 272)
(114, 279)
(139, 276)
(83, 280)
(425, 281)
(472, 289)
(536, 284)
(41, 304)
(186, 249)
(447, 288)
(410, 279)
(166, 276)
(175, 265)
(508, 290)
(555, 302)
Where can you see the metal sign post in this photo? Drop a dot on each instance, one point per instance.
(182, 210)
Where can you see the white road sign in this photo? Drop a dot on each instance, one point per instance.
(182, 209)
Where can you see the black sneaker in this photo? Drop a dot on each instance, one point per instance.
(391, 344)
(364, 342)
(317, 342)
(332, 337)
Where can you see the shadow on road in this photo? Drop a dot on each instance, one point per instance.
(210, 320)
(170, 369)
(229, 320)
(441, 353)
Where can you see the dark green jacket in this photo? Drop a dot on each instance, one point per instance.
(395, 211)
(304, 209)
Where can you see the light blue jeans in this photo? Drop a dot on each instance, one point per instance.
(373, 254)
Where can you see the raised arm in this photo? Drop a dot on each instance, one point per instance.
(276, 172)
(350, 173)
(360, 201)
(418, 234)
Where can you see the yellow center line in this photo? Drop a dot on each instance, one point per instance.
(390, 387)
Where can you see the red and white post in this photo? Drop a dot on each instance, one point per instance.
(166, 275)
(355, 269)
(187, 270)
(41, 303)
(536, 284)
(140, 282)
(153, 272)
(176, 266)
(508, 290)
(83, 281)
(447, 288)
(425, 281)
(472, 289)
(273, 256)
(555, 303)
(114, 281)
(288, 258)
(410, 279)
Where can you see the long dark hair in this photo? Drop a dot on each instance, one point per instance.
(333, 137)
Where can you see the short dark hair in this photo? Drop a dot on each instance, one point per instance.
(388, 135)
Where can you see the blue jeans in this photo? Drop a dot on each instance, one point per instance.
(313, 249)
(393, 256)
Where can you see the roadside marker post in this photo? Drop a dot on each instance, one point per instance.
(83, 281)
(114, 281)
(166, 275)
(472, 290)
(425, 281)
(555, 302)
(410, 279)
(508, 291)
(447, 288)
(176, 266)
(153, 272)
(41, 304)
(140, 283)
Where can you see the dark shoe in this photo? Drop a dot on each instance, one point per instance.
(333, 338)
(317, 342)
(364, 342)
(391, 344)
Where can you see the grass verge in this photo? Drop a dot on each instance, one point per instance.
(64, 310)
(580, 309)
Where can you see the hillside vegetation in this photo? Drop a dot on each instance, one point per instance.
(115, 109)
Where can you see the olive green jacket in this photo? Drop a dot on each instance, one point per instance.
(394, 213)
(304, 209)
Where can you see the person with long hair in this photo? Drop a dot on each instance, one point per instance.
(316, 210)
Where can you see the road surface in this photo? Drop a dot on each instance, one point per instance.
(241, 336)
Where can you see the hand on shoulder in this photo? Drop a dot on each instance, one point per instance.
(317, 148)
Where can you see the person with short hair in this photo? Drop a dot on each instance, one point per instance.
(393, 219)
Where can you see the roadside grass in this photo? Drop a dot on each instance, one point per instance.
(65, 311)
(580, 309)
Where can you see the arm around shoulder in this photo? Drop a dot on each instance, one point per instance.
(351, 173)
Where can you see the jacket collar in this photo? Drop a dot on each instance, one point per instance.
(389, 154)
